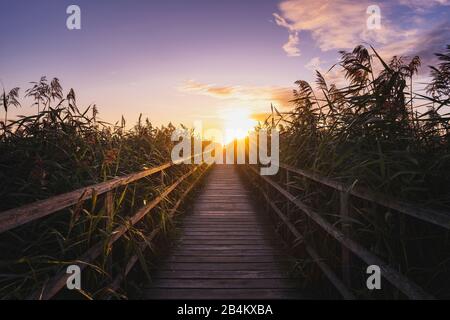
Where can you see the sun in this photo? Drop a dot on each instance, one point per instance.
(237, 124)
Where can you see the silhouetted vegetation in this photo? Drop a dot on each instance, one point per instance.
(62, 148)
(376, 130)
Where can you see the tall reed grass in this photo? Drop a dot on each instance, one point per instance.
(375, 129)
(62, 148)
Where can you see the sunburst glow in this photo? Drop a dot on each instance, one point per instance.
(237, 124)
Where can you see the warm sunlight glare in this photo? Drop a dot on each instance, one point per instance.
(237, 124)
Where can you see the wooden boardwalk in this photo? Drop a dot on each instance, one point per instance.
(227, 249)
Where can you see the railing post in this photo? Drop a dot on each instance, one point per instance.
(162, 177)
(288, 188)
(345, 224)
(109, 211)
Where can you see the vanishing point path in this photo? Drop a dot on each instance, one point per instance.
(227, 249)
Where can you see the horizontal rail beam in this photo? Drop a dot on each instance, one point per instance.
(437, 218)
(118, 280)
(13, 218)
(329, 273)
(401, 282)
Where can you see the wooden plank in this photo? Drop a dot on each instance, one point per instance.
(226, 200)
(206, 246)
(165, 274)
(224, 237)
(232, 194)
(220, 213)
(222, 206)
(268, 240)
(224, 284)
(225, 225)
(212, 216)
(225, 222)
(227, 233)
(222, 185)
(225, 217)
(240, 252)
(231, 188)
(225, 259)
(263, 266)
(205, 196)
(229, 228)
(227, 242)
(224, 294)
(207, 224)
(235, 212)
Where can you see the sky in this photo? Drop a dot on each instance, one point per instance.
(185, 60)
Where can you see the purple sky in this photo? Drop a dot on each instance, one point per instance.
(182, 60)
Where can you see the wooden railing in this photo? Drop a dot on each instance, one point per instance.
(408, 287)
(18, 217)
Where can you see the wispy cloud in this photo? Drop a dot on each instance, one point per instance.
(249, 95)
(421, 4)
(424, 44)
(207, 89)
(314, 64)
(291, 47)
(342, 24)
(333, 24)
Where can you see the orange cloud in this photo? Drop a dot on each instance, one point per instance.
(259, 96)
(216, 91)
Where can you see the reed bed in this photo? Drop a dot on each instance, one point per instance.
(60, 149)
(377, 131)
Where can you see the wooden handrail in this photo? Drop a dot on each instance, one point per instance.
(56, 283)
(329, 273)
(401, 282)
(13, 218)
(441, 219)
(16, 217)
(117, 281)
